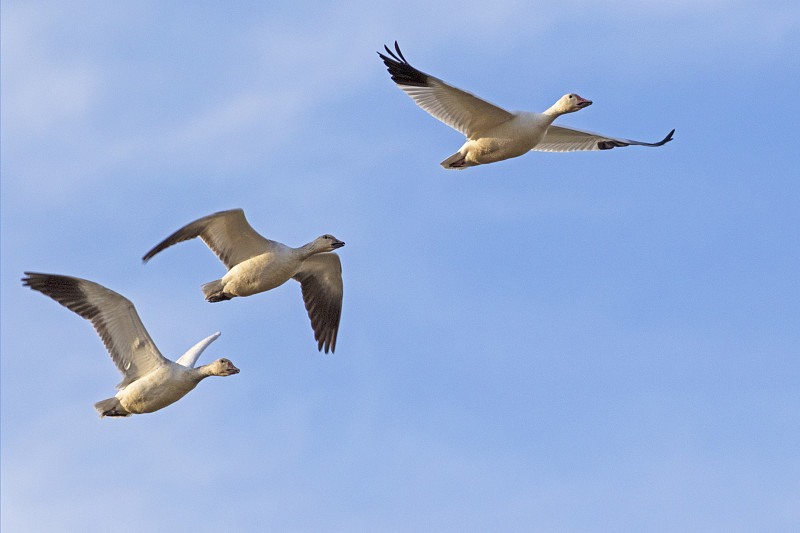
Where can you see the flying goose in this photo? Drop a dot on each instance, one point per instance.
(151, 381)
(256, 264)
(494, 134)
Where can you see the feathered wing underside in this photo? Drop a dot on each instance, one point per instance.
(564, 139)
(321, 280)
(189, 359)
(113, 316)
(227, 234)
(458, 109)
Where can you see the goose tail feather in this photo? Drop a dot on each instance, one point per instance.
(111, 407)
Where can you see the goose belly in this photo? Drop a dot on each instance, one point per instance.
(259, 274)
(154, 392)
(509, 140)
(486, 151)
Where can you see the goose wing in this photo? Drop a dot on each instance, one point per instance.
(227, 233)
(458, 109)
(113, 316)
(564, 139)
(189, 359)
(320, 278)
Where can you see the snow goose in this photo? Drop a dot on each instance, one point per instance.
(256, 264)
(494, 134)
(151, 381)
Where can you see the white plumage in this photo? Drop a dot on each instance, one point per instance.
(256, 264)
(494, 134)
(150, 380)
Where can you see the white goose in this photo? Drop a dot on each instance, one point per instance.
(151, 381)
(256, 264)
(494, 134)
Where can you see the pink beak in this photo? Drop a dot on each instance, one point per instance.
(583, 102)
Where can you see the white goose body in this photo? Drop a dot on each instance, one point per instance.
(160, 388)
(504, 141)
(151, 381)
(263, 272)
(494, 134)
(256, 264)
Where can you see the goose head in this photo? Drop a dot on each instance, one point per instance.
(222, 367)
(326, 243)
(569, 103)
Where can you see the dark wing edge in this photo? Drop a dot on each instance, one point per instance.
(401, 71)
(68, 291)
(191, 231)
(617, 143)
(76, 294)
(324, 312)
(65, 290)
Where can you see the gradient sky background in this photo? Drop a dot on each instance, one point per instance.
(603, 341)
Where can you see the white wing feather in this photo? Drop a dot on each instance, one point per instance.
(189, 359)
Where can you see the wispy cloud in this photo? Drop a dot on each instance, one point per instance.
(538, 340)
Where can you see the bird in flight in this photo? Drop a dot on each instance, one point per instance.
(494, 134)
(256, 264)
(151, 381)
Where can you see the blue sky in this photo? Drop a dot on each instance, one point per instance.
(559, 342)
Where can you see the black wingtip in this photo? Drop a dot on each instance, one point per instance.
(399, 53)
(390, 59)
(56, 286)
(401, 71)
(152, 253)
(665, 140)
(36, 280)
(396, 57)
(326, 341)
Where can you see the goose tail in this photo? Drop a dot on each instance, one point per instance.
(111, 407)
(212, 291)
(457, 161)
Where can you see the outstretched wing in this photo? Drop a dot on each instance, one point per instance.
(113, 317)
(189, 359)
(564, 139)
(458, 109)
(321, 280)
(227, 233)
